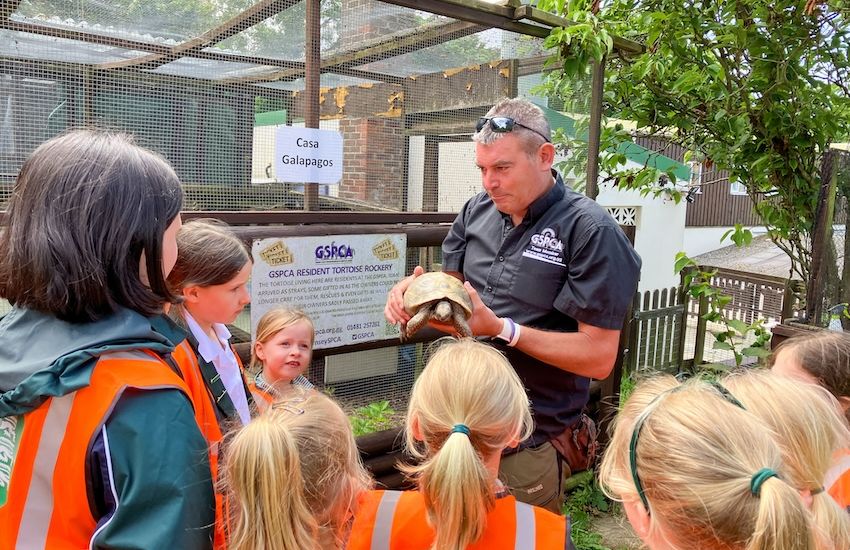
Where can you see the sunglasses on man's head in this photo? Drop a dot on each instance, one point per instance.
(504, 124)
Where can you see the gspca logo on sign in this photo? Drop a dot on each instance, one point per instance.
(547, 239)
(334, 253)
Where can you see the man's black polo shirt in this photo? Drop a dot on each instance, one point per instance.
(567, 261)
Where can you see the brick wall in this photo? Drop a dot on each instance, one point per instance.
(373, 160)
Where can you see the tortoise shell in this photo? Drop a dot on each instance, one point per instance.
(436, 285)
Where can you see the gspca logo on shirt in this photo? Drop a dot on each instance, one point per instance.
(547, 239)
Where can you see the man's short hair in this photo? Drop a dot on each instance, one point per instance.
(524, 112)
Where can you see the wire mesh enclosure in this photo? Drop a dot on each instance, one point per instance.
(207, 83)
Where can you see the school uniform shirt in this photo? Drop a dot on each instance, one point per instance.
(220, 354)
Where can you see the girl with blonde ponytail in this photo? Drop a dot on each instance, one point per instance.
(694, 469)
(292, 477)
(467, 406)
(809, 429)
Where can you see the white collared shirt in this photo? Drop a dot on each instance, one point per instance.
(222, 358)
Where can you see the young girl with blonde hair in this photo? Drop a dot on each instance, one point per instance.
(283, 348)
(467, 406)
(695, 470)
(823, 358)
(292, 477)
(809, 430)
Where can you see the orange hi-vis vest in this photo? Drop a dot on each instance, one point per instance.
(837, 480)
(397, 520)
(47, 503)
(207, 421)
(262, 398)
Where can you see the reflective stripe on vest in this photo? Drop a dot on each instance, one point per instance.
(525, 527)
(525, 537)
(837, 469)
(49, 501)
(382, 532)
(32, 532)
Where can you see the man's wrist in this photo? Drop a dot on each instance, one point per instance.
(510, 332)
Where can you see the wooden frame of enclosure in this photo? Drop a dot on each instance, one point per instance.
(470, 16)
(496, 80)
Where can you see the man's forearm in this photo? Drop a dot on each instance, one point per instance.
(589, 352)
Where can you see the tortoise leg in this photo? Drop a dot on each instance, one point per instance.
(459, 321)
(416, 322)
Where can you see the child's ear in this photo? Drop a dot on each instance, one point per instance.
(259, 352)
(191, 294)
(416, 429)
(638, 517)
(844, 401)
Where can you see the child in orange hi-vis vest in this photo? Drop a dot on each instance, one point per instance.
(467, 406)
(695, 469)
(211, 276)
(823, 358)
(292, 476)
(283, 348)
(99, 446)
(809, 429)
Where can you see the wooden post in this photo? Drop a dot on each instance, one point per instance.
(595, 129)
(312, 74)
(699, 344)
(822, 232)
(788, 300)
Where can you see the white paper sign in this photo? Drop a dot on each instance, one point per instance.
(341, 281)
(307, 155)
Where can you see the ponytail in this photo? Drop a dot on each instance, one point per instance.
(466, 407)
(266, 504)
(458, 492)
(782, 520)
(805, 421)
(833, 521)
(292, 476)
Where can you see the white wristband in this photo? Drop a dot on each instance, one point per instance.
(510, 332)
(515, 338)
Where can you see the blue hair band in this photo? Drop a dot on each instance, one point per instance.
(759, 478)
(460, 428)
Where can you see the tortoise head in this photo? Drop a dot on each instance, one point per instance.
(442, 311)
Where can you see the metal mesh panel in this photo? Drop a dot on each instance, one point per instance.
(206, 84)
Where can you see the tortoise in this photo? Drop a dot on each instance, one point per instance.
(437, 296)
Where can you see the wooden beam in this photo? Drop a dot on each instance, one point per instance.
(550, 19)
(83, 36)
(399, 43)
(474, 11)
(246, 19)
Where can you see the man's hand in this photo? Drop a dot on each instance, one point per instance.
(394, 310)
(483, 321)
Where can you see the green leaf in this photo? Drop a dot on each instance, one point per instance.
(740, 327)
(754, 351)
(722, 345)
(682, 261)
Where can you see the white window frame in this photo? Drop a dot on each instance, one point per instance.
(737, 188)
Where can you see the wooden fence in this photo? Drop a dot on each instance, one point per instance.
(669, 331)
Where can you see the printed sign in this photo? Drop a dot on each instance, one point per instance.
(307, 155)
(10, 435)
(341, 281)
